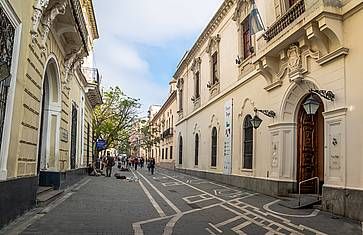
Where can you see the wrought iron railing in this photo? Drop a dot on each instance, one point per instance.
(7, 32)
(285, 20)
(91, 74)
(167, 133)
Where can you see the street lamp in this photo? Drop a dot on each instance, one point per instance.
(311, 105)
(256, 121)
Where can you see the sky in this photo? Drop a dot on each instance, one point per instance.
(142, 41)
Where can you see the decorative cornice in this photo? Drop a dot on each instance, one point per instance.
(88, 4)
(39, 7)
(342, 51)
(171, 98)
(207, 32)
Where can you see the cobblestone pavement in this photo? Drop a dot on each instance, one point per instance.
(174, 203)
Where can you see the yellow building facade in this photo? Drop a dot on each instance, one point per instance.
(49, 89)
(163, 126)
(232, 79)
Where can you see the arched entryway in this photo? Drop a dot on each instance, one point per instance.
(310, 146)
(48, 150)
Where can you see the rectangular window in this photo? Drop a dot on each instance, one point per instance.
(197, 93)
(162, 154)
(171, 152)
(166, 153)
(215, 68)
(180, 100)
(246, 37)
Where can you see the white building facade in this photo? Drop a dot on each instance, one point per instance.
(308, 54)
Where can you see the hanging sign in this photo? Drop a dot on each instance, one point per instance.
(101, 144)
(228, 117)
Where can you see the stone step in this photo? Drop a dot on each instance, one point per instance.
(47, 197)
(42, 189)
(306, 201)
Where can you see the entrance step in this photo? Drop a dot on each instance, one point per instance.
(42, 189)
(47, 196)
(306, 201)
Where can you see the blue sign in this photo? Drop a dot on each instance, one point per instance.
(101, 144)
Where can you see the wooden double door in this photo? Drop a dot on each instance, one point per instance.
(310, 154)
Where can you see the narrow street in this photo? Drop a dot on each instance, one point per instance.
(174, 203)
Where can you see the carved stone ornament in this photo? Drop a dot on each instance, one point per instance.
(294, 58)
(243, 8)
(196, 65)
(58, 9)
(179, 83)
(213, 44)
(39, 7)
(72, 62)
(7, 32)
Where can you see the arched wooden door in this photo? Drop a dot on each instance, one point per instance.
(310, 154)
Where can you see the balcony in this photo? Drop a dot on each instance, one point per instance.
(93, 85)
(167, 133)
(285, 20)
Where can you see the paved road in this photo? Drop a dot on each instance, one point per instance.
(174, 203)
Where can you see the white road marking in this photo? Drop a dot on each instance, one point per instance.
(237, 213)
(217, 229)
(152, 200)
(228, 221)
(210, 231)
(168, 230)
(176, 209)
(238, 228)
(267, 208)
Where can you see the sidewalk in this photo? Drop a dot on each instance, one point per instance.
(102, 206)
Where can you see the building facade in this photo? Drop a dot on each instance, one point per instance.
(48, 91)
(163, 126)
(137, 136)
(232, 78)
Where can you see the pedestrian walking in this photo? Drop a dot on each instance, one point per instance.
(110, 162)
(152, 165)
(136, 162)
(142, 162)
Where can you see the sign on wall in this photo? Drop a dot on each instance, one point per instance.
(228, 117)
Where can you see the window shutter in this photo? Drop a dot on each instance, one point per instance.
(277, 6)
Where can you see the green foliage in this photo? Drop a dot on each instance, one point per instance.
(148, 138)
(112, 121)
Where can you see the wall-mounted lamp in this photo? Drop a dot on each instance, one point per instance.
(256, 121)
(311, 105)
(238, 60)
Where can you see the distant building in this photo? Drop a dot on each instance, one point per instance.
(136, 138)
(163, 125)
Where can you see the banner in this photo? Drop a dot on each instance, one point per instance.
(228, 129)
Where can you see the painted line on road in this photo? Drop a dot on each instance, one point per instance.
(267, 208)
(152, 200)
(168, 230)
(237, 213)
(176, 209)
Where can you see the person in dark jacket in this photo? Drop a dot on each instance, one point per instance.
(109, 164)
(152, 165)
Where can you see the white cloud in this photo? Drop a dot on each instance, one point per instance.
(127, 25)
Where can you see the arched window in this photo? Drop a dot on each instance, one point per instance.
(247, 143)
(180, 150)
(214, 147)
(196, 150)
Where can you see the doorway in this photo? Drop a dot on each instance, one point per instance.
(310, 149)
(74, 137)
(48, 149)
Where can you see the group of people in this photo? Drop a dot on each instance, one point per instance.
(100, 164)
(107, 162)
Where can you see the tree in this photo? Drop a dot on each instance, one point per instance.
(149, 138)
(113, 119)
